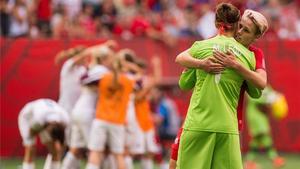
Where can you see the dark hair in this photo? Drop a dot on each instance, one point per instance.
(141, 63)
(129, 57)
(57, 132)
(227, 13)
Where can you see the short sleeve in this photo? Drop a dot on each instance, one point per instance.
(259, 58)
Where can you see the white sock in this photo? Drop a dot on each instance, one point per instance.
(147, 163)
(28, 165)
(70, 162)
(128, 162)
(48, 162)
(91, 166)
(110, 162)
(105, 163)
(55, 165)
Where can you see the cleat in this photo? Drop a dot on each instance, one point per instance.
(251, 165)
(278, 162)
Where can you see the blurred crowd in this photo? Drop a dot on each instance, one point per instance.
(164, 20)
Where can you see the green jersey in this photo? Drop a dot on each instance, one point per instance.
(214, 100)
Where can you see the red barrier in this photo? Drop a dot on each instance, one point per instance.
(28, 73)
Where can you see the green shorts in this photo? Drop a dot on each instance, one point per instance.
(209, 150)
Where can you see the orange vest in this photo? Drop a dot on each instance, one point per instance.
(143, 114)
(112, 103)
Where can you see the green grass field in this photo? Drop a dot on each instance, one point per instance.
(292, 162)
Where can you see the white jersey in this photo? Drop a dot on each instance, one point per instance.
(85, 106)
(69, 90)
(36, 114)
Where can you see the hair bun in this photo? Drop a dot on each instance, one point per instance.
(225, 7)
(227, 13)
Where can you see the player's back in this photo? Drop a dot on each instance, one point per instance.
(215, 97)
(40, 111)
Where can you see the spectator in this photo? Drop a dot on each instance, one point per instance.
(126, 7)
(44, 13)
(190, 29)
(178, 14)
(272, 11)
(73, 8)
(4, 18)
(19, 19)
(86, 21)
(59, 21)
(162, 20)
(288, 27)
(123, 27)
(298, 19)
(92, 2)
(107, 14)
(206, 24)
(75, 30)
(254, 4)
(170, 23)
(34, 31)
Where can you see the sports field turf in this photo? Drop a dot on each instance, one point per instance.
(292, 162)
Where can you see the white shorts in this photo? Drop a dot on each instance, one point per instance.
(141, 142)
(105, 133)
(150, 142)
(82, 117)
(44, 137)
(134, 134)
(134, 140)
(80, 133)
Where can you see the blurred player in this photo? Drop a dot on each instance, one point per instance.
(148, 146)
(76, 60)
(73, 69)
(84, 110)
(168, 113)
(252, 26)
(43, 117)
(132, 130)
(109, 126)
(257, 113)
(71, 72)
(69, 83)
(133, 134)
(211, 127)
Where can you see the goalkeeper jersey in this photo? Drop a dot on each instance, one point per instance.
(214, 100)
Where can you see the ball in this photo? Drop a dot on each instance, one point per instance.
(279, 107)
